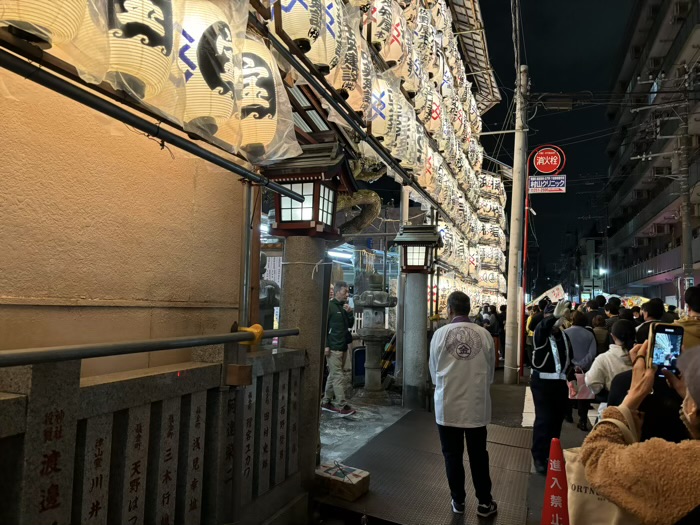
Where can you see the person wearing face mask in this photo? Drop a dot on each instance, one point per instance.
(656, 481)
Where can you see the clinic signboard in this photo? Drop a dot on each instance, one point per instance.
(547, 184)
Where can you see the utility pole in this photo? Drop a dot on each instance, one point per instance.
(517, 211)
(686, 226)
(404, 207)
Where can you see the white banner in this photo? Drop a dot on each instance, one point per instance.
(555, 294)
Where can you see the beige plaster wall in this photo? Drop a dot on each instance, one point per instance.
(104, 236)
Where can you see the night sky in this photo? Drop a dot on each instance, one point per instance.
(570, 47)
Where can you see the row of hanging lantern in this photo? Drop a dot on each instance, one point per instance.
(491, 211)
(188, 60)
(420, 50)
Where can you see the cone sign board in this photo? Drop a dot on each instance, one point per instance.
(555, 510)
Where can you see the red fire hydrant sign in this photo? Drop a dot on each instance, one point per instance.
(555, 510)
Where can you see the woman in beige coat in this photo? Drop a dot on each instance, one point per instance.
(657, 481)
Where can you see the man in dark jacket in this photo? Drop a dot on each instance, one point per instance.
(338, 324)
(551, 360)
(538, 317)
(652, 311)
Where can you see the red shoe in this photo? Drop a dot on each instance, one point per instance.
(347, 410)
(329, 407)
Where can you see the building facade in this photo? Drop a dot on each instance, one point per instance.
(655, 93)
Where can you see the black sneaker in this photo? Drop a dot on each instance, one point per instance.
(457, 508)
(487, 510)
(541, 468)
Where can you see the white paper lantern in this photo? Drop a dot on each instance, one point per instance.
(394, 48)
(434, 125)
(141, 44)
(302, 20)
(206, 61)
(423, 102)
(360, 99)
(384, 112)
(52, 20)
(345, 77)
(438, 12)
(325, 51)
(254, 127)
(380, 16)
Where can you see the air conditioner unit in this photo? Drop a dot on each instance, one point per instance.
(641, 241)
(662, 229)
(662, 171)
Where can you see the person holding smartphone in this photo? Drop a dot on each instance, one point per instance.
(661, 407)
(656, 481)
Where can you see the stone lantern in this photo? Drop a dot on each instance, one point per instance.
(375, 336)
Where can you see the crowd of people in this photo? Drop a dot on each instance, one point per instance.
(654, 480)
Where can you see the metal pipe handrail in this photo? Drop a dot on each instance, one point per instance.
(56, 354)
(38, 75)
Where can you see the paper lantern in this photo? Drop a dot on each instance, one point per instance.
(344, 78)
(394, 49)
(255, 126)
(141, 44)
(54, 21)
(384, 112)
(206, 61)
(360, 99)
(434, 125)
(302, 20)
(325, 51)
(424, 37)
(436, 69)
(438, 12)
(423, 102)
(410, 68)
(380, 16)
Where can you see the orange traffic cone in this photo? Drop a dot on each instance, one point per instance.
(555, 510)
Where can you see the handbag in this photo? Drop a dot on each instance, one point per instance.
(578, 389)
(586, 506)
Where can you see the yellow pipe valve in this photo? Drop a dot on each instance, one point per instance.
(257, 331)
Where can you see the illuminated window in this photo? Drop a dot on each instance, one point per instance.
(298, 211)
(326, 205)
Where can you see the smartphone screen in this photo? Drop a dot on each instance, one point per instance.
(668, 340)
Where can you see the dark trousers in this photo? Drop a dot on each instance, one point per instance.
(551, 397)
(582, 406)
(452, 440)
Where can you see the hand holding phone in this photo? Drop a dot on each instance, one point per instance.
(665, 343)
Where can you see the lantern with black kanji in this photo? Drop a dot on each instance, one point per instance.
(320, 174)
(418, 245)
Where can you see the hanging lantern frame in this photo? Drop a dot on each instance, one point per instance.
(418, 245)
